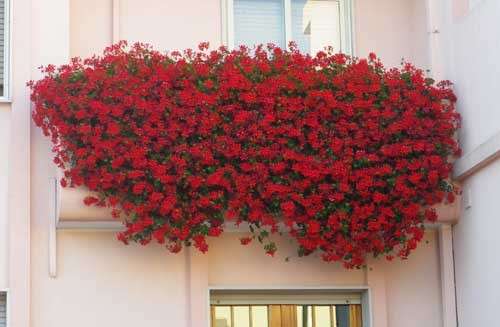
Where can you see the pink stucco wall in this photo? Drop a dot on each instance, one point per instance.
(100, 282)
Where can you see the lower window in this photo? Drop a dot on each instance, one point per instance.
(3, 309)
(230, 309)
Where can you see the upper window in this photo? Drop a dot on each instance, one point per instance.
(4, 49)
(311, 24)
(3, 309)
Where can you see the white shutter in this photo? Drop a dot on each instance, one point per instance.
(316, 24)
(259, 21)
(3, 309)
(2, 43)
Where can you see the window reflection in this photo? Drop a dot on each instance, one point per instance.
(222, 316)
(316, 24)
(322, 315)
(259, 22)
(241, 316)
(259, 316)
(291, 316)
(342, 315)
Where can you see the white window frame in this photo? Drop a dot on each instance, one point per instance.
(365, 291)
(7, 304)
(6, 97)
(346, 24)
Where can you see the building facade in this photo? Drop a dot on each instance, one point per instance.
(60, 263)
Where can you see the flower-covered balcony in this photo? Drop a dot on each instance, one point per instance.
(364, 26)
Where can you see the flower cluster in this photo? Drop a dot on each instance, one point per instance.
(344, 155)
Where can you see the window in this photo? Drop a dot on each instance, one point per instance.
(312, 24)
(4, 49)
(3, 309)
(286, 315)
(285, 309)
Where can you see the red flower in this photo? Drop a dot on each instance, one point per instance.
(288, 208)
(348, 155)
(167, 205)
(113, 129)
(139, 188)
(156, 197)
(89, 200)
(245, 240)
(313, 228)
(215, 231)
(200, 243)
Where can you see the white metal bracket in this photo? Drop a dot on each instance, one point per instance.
(53, 229)
(446, 260)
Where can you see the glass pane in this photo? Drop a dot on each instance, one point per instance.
(316, 24)
(259, 21)
(259, 316)
(322, 315)
(309, 316)
(342, 313)
(222, 316)
(241, 316)
(304, 316)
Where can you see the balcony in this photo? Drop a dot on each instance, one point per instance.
(73, 214)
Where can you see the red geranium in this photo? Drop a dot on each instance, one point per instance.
(348, 155)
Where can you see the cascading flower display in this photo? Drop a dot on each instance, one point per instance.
(346, 156)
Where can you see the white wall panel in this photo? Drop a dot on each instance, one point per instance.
(477, 264)
(4, 170)
(468, 49)
(472, 64)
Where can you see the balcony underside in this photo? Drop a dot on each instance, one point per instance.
(72, 213)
